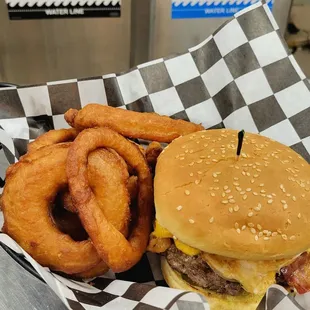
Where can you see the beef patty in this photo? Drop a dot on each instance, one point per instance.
(197, 272)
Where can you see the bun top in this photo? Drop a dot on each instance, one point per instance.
(256, 207)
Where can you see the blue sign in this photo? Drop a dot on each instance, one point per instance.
(210, 8)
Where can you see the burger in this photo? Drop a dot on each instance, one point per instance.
(230, 226)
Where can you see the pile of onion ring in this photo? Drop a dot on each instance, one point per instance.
(81, 200)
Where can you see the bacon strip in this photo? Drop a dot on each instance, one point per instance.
(297, 274)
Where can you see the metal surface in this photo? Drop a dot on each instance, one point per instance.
(36, 51)
(141, 17)
(174, 36)
(20, 290)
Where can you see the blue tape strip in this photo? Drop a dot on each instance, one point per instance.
(208, 9)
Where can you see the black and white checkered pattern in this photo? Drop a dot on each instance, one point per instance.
(242, 76)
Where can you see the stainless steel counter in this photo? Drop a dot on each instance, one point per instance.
(20, 290)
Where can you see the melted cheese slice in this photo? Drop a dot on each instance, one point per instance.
(254, 276)
(186, 249)
(161, 232)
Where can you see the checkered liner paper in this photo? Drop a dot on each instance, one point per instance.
(241, 77)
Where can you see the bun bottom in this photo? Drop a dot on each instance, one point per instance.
(216, 301)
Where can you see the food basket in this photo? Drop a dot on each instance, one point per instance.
(242, 77)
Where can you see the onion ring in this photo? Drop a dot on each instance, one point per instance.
(97, 271)
(26, 202)
(53, 137)
(148, 126)
(118, 253)
(152, 152)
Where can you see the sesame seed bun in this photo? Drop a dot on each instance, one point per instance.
(256, 207)
(216, 301)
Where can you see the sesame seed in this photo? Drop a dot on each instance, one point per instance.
(223, 195)
(243, 227)
(216, 188)
(299, 215)
(253, 231)
(283, 201)
(284, 236)
(216, 180)
(281, 186)
(238, 189)
(225, 202)
(187, 192)
(261, 185)
(231, 210)
(225, 187)
(236, 225)
(236, 179)
(242, 193)
(269, 196)
(211, 220)
(248, 189)
(236, 208)
(215, 160)
(256, 238)
(303, 195)
(202, 156)
(191, 164)
(230, 197)
(266, 238)
(212, 194)
(292, 237)
(263, 191)
(270, 201)
(191, 174)
(259, 170)
(294, 198)
(279, 231)
(273, 194)
(288, 195)
(260, 234)
(250, 214)
(255, 194)
(197, 182)
(274, 234)
(179, 208)
(199, 172)
(259, 227)
(251, 225)
(248, 174)
(236, 183)
(237, 167)
(232, 201)
(252, 181)
(191, 221)
(289, 221)
(263, 195)
(191, 151)
(214, 175)
(199, 161)
(228, 191)
(243, 173)
(238, 230)
(244, 197)
(285, 207)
